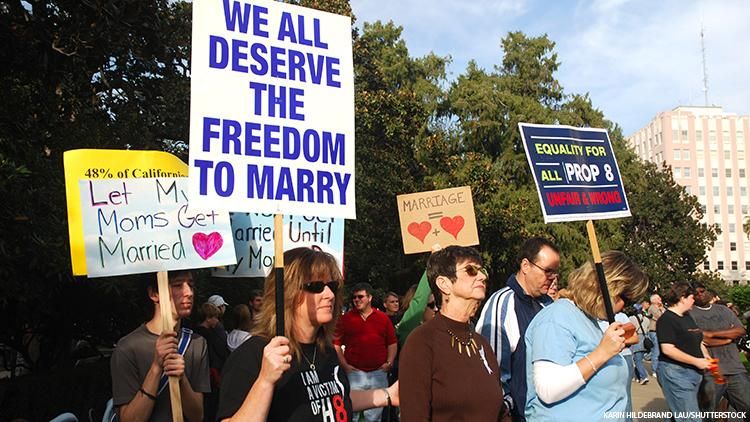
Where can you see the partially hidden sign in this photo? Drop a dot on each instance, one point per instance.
(146, 225)
(444, 217)
(253, 235)
(575, 171)
(272, 109)
(108, 164)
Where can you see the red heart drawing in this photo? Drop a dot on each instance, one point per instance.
(452, 225)
(207, 245)
(419, 230)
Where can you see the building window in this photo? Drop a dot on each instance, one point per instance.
(707, 265)
(688, 190)
(744, 209)
(747, 265)
(699, 136)
(702, 190)
(712, 136)
(675, 134)
(742, 172)
(714, 172)
(743, 191)
(685, 154)
(735, 282)
(719, 265)
(729, 191)
(686, 172)
(701, 172)
(728, 172)
(676, 154)
(734, 265)
(717, 210)
(677, 172)
(703, 209)
(716, 190)
(727, 155)
(732, 246)
(731, 227)
(730, 209)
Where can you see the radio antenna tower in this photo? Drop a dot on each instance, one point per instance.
(705, 71)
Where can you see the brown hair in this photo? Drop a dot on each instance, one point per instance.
(301, 265)
(209, 311)
(623, 276)
(243, 317)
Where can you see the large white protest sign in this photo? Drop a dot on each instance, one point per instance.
(253, 241)
(145, 225)
(272, 109)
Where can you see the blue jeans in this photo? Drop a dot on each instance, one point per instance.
(736, 389)
(631, 368)
(680, 386)
(640, 370)
(654, 351)
(360, 380)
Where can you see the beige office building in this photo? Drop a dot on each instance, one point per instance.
(707, 149)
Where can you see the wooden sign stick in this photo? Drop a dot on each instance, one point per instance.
(167, 324)
(278, 246)
(600, 271)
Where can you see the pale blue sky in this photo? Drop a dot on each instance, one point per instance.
(634, 57)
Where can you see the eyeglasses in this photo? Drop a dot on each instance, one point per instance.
(547, 271)
(473, 270)
(319, 286)
(359, 297)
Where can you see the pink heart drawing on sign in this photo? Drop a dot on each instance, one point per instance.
(419, 230)
(452, 225)
(207, 245)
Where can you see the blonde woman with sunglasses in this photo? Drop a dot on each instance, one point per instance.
(299, 377)
(447, 372)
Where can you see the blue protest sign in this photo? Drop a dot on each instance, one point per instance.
(575, 171)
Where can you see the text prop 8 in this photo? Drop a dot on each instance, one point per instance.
(575, 171)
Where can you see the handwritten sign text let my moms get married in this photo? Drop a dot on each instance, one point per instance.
(146, 225)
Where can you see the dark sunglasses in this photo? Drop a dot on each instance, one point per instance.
(473, 270)
(319, 286)
(359, 297)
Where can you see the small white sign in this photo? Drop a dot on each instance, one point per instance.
(145, 225)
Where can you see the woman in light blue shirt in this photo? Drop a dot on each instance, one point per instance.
(576, 371)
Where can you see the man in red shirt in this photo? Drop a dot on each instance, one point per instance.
(366, 344)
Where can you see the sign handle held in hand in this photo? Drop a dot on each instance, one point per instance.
(167, 324)
(600, 271)
(278, 243)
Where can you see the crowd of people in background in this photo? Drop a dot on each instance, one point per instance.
(540, 348)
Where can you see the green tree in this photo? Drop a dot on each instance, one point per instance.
(395, 97)
(740, 296)
(76, 74)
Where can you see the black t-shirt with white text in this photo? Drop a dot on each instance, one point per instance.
(682, 332)
(301, 395)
